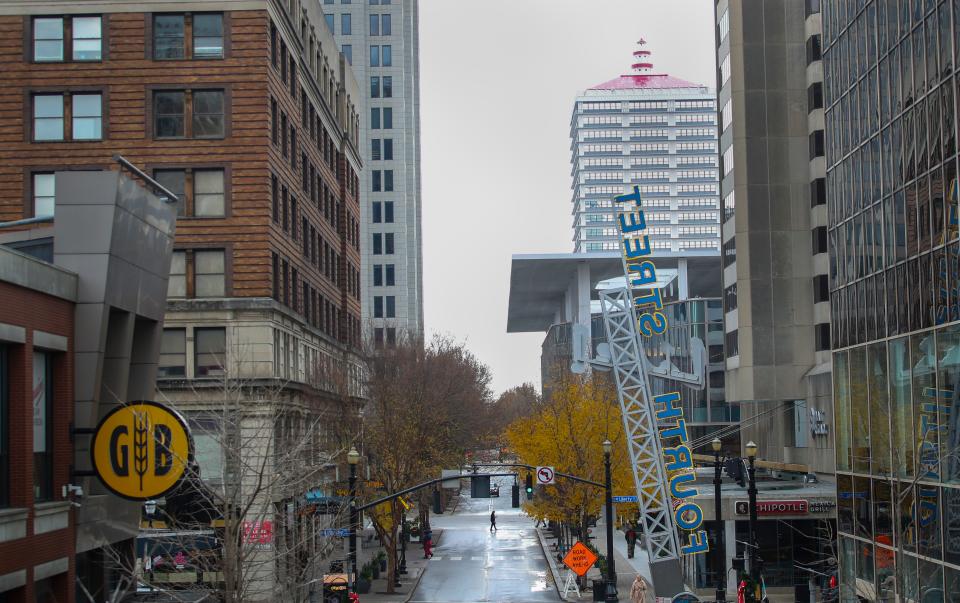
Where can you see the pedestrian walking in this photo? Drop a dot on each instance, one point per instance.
(493, 521)
(427, 539)
(638, 591)
(631, 536)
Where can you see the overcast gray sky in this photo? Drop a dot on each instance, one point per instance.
(498, 79)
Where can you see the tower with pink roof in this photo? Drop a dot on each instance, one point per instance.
(658, 132)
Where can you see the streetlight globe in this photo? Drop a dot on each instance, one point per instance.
(716, 444)
(353, 457)
(751, 449)
(607, 446)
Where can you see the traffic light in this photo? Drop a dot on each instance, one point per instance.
(529, 486)
(515, 496)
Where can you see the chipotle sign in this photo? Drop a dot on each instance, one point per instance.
(774, 507)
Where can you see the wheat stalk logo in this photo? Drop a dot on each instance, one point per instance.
(140, 430)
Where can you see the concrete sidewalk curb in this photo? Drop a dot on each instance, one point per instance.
(551, 562)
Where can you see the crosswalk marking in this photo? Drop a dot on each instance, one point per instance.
(518, 557)
(456, 558)
(476, 559)
(491, 558)
(437, 558)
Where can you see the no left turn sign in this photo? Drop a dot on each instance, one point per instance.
(545, 476)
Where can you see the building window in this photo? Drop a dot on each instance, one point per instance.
(48, 39)
(813, 48)
(378, 275)
(821, 288)
(330, 22)
(377, 243)
(206, 118)
(374, 149)
(378, 306)
(4, 430)
(391, 336)
(377, 212)
(44, 189)
(386, 56)
(48, 117)
(388, 243)
(208, 36)
(378, 337)
(818, 192)
(210, 348)
(173, 353)
(388, 212)
(387, 149)
(389, 275)
(374, 25)
(391, 306)
(816, 144)
(87, 117)
(815, 96)
(42, 426)
(376, 182)
(374, 87)
(210, 279)
(388, 180)
(197, 273)
(168, 36)
(375, 118)
(199, 192)
(387, 86)
(87, 38)
(347, 50)
(387, 118)
(346, 27)
(385, 26)
(822, 336)
(374, 56)
(204, 30)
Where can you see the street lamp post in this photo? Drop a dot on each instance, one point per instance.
(611, 594)
(752, 496)
(353, 457)
(404, 537)
(716, 444)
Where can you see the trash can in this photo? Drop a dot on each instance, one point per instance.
(599, 590)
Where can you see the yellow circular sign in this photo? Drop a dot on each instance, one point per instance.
(141, 450)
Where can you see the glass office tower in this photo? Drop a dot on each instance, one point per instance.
(891, 129)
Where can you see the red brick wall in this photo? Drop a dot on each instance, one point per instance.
(32, 310)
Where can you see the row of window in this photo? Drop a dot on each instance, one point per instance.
(380, 24)
(382, 212)
(384, 306)
(382, 180)
(297, 293)
(383, 243)
(209, 352)
(386, 90)
(384, 275)
(386, 123)
(381, 56)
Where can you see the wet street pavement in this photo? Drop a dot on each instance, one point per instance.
(473, 564)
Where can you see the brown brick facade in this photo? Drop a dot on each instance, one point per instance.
(36, 311)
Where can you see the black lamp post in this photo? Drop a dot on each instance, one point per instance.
(353, 457)
(611, 594)
(404, 537)
(752, 496)
(716, 444)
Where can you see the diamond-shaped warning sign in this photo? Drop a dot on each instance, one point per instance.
(580, 559)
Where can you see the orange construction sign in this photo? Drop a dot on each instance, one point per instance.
(580, 559)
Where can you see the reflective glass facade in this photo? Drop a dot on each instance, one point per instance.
(891, 129)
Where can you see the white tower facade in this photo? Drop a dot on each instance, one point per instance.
(654, 131)
(381, 39)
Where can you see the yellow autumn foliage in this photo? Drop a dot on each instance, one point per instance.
(567, 432)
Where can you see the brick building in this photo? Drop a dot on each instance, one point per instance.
(36, 384)
(246, 111)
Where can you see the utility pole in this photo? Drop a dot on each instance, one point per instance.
(611, 590)
(717, 445)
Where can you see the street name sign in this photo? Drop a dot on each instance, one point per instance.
(545, 476)
(624, 499)
(580, 559)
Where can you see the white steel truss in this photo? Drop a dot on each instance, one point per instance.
(643, 439)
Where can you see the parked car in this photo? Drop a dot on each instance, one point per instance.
(494, 490)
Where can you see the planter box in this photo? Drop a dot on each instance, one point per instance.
(363, 586)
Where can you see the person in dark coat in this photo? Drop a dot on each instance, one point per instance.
(493, 521)
(631, 536)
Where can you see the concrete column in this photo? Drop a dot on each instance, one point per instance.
(683, 286)
(730, 539)
(583, 303)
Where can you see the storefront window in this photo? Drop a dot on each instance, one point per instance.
(841, 406)
(907, 566)
(879, 409)
(848, 569)
(901, 410)
(845, 503)
(951, 528)
(927, 519)
(860, 416)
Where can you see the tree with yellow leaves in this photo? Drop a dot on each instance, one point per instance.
(567, 432)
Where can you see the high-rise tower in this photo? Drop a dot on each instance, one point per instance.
(381, 40)
(652, 130)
